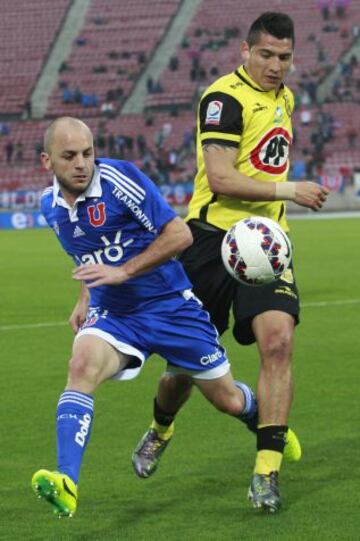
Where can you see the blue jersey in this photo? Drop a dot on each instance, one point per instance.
(118, 216)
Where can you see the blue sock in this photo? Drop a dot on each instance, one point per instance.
(73, 427)
(249, 414)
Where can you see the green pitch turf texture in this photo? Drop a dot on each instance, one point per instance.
(199, 491)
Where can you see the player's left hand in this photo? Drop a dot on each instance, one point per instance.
(100, 275)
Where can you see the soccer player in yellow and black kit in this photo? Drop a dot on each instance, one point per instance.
(243, 138)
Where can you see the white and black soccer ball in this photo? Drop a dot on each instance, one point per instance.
(256, 251)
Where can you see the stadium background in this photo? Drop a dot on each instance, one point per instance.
(134, 72)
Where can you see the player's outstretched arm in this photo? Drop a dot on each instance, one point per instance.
(174, 238)
(78, 315)
(225, 179)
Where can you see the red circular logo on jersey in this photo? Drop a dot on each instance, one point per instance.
(272, 152)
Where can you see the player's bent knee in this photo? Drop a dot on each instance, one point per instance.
(231, 404)
(277, 345)
(82, 369)
(177, 383)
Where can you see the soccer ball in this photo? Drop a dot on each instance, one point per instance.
(256, 251)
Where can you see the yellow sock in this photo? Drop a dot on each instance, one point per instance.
(165, 432)
(267, 461)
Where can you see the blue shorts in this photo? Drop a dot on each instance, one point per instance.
(177, 328)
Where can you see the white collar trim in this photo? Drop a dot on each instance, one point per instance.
(93, 190)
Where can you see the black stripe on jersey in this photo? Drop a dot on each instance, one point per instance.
(220, 142)
(230, 121)
(204, 209)
(244, 80)
(248, 82)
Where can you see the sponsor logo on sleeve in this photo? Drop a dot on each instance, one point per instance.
(213, 113)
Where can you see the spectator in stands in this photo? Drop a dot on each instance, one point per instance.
(174, 109)
(107, 109)
(121, 146)
(148, 118)
(67, 96)
(298, 170)
(113, 55)
(111, 144)
(100, 68)
(185, 42)
(166, 129)
(129, 145)
(324, 6)
(174, 63)
(38, 147)
(141, 144)
(355, 31)
(172, 159)
(99, 21)
(351, 134)
(9, 151)
(214, 71)
(305, 116)
(63, 67)
(231, 32)
(100, 142)
(110, 95)
(150, 85)
(141, 58)
(89, 100)
(19, 152)
(119, 93)
(158, 88)
(28, 109)
(188, 141)
(77, 95)
(341, 7)
(4, 128)
(81, 41)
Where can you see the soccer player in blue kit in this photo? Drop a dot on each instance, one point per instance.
(135, 298)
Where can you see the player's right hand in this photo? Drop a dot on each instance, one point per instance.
(310, 194)
(78, 315)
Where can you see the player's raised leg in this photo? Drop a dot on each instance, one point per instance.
(235, 398)
(172, 394)
(93, 361)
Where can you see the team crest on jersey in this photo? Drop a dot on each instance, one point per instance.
(213, 113)
(271, 153)
(278, 115)
(97, 214)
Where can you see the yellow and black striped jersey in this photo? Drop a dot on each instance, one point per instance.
(236, 112)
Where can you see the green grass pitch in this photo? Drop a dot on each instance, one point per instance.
(199, 491)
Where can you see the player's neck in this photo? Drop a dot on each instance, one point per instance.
(70, 197)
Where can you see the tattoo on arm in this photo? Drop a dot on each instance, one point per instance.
(207, 147)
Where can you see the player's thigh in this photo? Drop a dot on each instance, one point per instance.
(98, 356)
(211, 282)
(249, 302)
(274, 332)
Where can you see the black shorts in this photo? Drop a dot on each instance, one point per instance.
(219, 292)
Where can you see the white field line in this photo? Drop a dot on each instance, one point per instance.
(318, 304)
(33, 325)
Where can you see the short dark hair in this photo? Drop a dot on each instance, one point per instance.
(277, 24)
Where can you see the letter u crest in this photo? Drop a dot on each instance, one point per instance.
(97, 214)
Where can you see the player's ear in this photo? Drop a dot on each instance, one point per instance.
(244, 50)
(45, 160)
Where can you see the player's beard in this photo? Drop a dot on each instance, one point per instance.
(74, 189)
